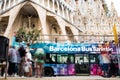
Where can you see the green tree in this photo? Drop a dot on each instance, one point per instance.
(29, 36)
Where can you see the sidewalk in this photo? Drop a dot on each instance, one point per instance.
(61, 78)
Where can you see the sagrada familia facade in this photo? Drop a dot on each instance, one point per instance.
(61, 20)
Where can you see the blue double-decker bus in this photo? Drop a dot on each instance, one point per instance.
(69, 58)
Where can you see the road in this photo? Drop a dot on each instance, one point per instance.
(61, 78)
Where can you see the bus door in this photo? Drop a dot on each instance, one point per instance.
(82, 64)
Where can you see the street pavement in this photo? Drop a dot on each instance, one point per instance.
(61, 78)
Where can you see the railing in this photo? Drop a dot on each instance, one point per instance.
(77, 38)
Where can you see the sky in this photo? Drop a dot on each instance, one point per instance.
(116, 4)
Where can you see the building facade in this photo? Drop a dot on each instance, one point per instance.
(61, 20)
(94, 18)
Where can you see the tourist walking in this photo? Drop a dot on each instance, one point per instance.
(28, 68)
(112, 71)
(28, 63)
(22, 53)
(39, 57)
(105, 57)
(12, 58)
(101, 64)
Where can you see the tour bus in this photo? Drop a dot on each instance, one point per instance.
(71, 58)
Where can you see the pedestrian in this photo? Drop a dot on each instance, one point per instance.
(105, 57)
(12, 58)
(28, 68)
(101, 64)
(22, 53)
(39, 57)
(29, 61)
(22, 66)
(112, 70)
(18, 62)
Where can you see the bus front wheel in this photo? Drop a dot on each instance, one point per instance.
(48, 71)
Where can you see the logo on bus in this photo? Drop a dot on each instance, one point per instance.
(78, 49)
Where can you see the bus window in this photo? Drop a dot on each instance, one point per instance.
(61, 58)
(94, 58)
(53, 57)
(50, 58)
(71, 58)
(65, 58)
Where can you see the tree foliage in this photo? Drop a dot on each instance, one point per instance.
(29, 36)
